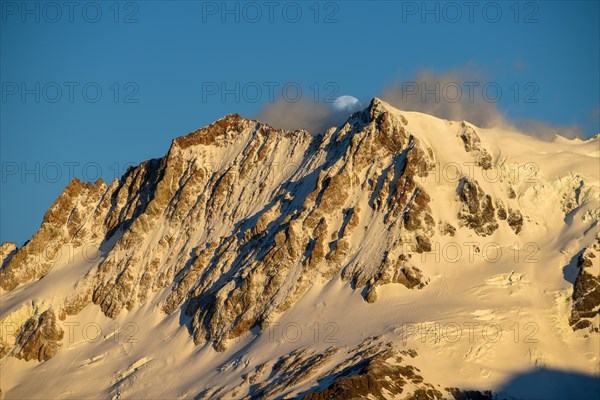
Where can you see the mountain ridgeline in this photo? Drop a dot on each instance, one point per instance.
(233, 226)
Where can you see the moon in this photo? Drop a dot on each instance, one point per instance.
(348, 104)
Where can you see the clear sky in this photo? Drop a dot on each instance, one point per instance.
(88, 87)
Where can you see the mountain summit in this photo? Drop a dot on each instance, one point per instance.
(370, 260)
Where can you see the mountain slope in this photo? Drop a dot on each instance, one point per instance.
(251, 261)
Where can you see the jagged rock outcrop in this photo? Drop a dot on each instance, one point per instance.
(380, 375)
(447, 229)
(501, 210)
(311, 231)
(39, 338)
(515, 220)
(477, 211)
(291, 370)
(472, 144)
(513, 216)
(72, 218)
(586, 290)
(372, 369)
(371, 377)
(7, 251)
(460, 394)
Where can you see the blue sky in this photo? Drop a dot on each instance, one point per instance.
(88, 88)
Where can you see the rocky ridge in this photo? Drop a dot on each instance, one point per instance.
(233, 225)
(586, 290)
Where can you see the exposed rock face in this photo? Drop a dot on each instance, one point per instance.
(459, 394)
(373, 369)
(586, 291)
(472, 144)
(312, 230)
(292, 369)
(239, 219)
(447, 229)
(515, 220)
(181, 224)
(74, 217)
(39, 339)
(477, 211)
(380, 375)
(7, 251)
(232, 227)
(513, 217)
(501, 210)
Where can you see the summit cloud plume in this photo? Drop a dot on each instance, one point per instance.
(457, 94)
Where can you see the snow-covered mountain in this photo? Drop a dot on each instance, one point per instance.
(396, 256)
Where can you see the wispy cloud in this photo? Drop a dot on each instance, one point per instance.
(545, 131)
(303, 114)
(455, 94)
